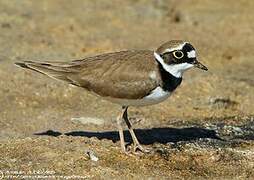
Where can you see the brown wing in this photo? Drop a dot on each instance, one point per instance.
(125, 74)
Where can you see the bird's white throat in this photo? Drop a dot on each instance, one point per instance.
(175, 69)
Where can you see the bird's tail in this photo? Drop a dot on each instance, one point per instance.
(56, 70)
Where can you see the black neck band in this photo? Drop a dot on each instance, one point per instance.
(170, 82)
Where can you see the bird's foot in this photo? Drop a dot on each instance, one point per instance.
(126, 149)
(134, 149)
(138, 148)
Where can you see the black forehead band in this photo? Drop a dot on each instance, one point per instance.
(188, 47)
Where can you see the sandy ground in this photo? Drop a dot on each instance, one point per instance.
(205, 130)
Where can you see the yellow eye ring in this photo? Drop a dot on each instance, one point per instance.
(178, 54)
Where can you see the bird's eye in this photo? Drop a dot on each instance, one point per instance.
(178, 54)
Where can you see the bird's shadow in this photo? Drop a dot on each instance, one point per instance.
(145, 136)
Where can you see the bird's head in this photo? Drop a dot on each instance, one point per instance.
(177, 56)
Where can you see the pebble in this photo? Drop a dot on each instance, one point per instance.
(88, 120)
(92, 155)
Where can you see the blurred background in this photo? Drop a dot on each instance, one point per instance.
(221, 31)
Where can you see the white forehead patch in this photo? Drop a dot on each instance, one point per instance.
(191, 54)
(179, 47)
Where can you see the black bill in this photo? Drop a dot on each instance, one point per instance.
(200, 66)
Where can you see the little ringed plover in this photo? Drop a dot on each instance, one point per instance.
(128, 78)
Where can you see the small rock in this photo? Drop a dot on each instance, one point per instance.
(88, 120)
(178, 17)
(222, 102)
(92, 155)
(6, 25)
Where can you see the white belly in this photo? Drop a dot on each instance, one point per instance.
(156, 96)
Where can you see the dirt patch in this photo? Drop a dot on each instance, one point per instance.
(205, 130)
